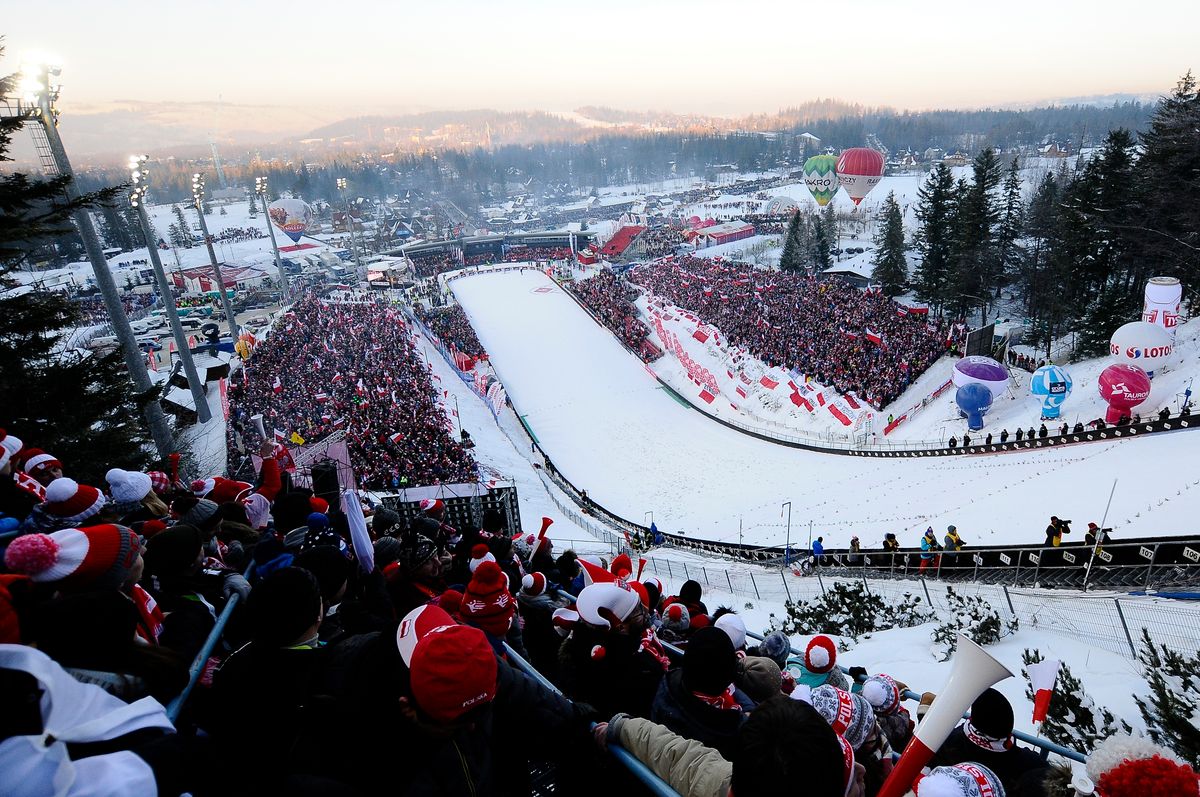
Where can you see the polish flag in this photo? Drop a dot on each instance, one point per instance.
(708, 397)
(280, 437)
(741, 392)
(1042, 676)
(873, 336)
(396, 438)
(768, 383)
(277, 386)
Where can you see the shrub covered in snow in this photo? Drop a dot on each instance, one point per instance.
(1073, 719)
(1172, 710)
(849, 609)
(974, 618)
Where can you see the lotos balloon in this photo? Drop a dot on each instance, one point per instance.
(292, 216)
(983, 370)
(859, 170)
(1143, 344)
(1052, 385)
(973, 400)
(821, 178)
(1123, 387)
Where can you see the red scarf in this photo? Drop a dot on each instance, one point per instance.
(651, 645)
(986, 742)
(724, 701)
(150, 617)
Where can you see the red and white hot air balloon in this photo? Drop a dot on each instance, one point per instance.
(859, 170)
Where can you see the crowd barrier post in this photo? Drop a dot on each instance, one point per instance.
(1150, 567)
(783, 577)
(925, 586)
(754, 584)
(1125, 625)
(1008, 598)
(729, 581)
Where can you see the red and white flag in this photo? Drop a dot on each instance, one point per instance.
(873, 336)
(321, 398)
(277, 386)
(396, 438)
(1042, 676)
(708, 397)
(280, 437)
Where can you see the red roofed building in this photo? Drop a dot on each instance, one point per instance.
(617, 245)
(725, 233)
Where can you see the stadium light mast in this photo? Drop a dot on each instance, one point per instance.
(260, 189)
(40, 107)
(139, 177)
(341, 185)
(198, 201)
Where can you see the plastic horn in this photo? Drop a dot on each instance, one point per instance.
(258, 424)
(974, 671)
(1083, 786)
(546, 523)
(641, 567)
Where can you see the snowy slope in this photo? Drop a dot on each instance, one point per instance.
(613, 431)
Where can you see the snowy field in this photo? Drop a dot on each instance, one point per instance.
(610, 428)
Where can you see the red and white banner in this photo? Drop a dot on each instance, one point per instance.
(768, 383)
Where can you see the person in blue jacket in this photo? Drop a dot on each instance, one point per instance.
(818, 550)
(929, 550)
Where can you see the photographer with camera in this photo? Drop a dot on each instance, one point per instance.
(1056, 530)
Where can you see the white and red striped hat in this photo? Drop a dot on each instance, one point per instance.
(9, 446)
(72, 502)
(35, 459)
(431, 506)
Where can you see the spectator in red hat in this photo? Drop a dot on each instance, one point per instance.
(40, 465)
(604, 662)
(465, 722)
(68, 504)
(415, 578)
(488, 605)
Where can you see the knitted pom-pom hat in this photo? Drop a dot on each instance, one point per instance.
(71, 502)
(96, 557)
(820, 655)
(487, 603)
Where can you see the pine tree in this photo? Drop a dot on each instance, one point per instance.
(253, 206)
(976, 262)
(1171, 709)
(889, 264)
(824, 234)
(185, 230)
(1166, 234)
(1009, 251)
(794, 247)
(133, 224)
(934, 239)
(1040, 227)
(78, 406)
(1073, 719)
(224, 212)
(206, 207)
(1109, 310)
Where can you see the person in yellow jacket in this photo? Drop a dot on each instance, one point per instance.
(1056, 530)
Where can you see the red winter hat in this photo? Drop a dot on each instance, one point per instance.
(319, 505)
(431, 506)
(35, 459)
(9, 446)
(533, 584)
(622, 566)
(452, 668)
(225, 491)
(71, 502)
(821, 654)
(487, 604)
(96, 557)
(160, 482)
(479, 554)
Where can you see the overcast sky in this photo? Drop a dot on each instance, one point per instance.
(679, 55)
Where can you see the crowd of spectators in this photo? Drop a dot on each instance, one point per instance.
(362, 654)
(610, 299)
(352, 367)
(1024, 361)
(238, 234)
(819, 328)
(433, 263)
(92, 309)
(661, 241)
(454, 328)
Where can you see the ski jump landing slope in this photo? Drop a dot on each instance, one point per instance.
(611, 429)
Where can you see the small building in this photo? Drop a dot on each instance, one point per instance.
(726, 233)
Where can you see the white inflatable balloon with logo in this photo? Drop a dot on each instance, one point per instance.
(1141, 343)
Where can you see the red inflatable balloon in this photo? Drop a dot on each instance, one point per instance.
(1123, 387)
(859, 170)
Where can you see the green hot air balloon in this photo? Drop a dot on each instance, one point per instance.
(820, 177)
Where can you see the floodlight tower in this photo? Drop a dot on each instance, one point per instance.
(341, 185)
(39, 106)
(139, 176)
(198, 201)
(260, 188)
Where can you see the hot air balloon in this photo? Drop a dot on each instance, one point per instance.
(1052, 385)
(859, 170)
(821, 178)
(292, 216)
(973, 400)
(1123, 387)
(1143, 344)
(982, 370)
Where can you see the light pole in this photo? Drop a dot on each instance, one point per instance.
(260, 189)
(139, 176)
(198, 201)
(341, 185)
(54, 155)
(787, 545)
